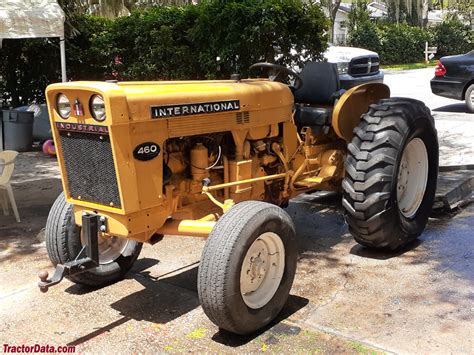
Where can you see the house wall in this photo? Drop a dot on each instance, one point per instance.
(340, 28)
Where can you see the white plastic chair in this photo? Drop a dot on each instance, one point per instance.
(7, 161)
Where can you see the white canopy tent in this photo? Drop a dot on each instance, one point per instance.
(32, 19)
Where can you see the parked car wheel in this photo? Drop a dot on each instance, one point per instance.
(470, 98)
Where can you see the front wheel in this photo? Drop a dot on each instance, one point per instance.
(247, 267)
(391, 174)
(64, 242)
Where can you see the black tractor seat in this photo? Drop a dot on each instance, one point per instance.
(314, 100)
(316, 117)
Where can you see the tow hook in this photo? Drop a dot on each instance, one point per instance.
(90, 230)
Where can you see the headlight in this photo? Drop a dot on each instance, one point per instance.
(63, 106)
(343, 67)
(97, 107)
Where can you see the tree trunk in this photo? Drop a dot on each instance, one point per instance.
(424, 12)
(333, 7)
(397, 10)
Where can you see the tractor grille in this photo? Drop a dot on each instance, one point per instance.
(364, 66)
(90, 170)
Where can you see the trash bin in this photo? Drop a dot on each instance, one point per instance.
(17, 130)
(41, 125)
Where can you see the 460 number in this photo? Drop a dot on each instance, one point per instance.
(146, 151)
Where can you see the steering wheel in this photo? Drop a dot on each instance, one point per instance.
(281, 74)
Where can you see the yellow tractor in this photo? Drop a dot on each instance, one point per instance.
(219, 159)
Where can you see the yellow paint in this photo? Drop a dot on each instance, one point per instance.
(197, 333)
(352, 104)
(269, 160)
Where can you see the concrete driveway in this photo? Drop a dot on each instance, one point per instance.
(346, 299)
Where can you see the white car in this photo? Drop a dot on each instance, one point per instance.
(355, 65)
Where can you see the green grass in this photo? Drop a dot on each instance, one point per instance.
(409, 66)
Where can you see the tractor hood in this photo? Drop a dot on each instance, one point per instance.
(167, 99)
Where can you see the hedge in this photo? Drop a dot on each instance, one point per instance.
(452, 37)
(395, 44)
(247, 31)
(168, 42)
(403, 44)
(366, 35)
(400, 44)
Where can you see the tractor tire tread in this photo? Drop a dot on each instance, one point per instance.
(370, 177)
(220, 247)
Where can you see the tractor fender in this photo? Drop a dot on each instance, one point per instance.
(352, 104)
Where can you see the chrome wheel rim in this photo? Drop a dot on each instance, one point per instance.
(472, 97)
(412, 177)
(262, 270)
(110, 248)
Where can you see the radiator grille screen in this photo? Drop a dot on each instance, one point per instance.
(90, 168)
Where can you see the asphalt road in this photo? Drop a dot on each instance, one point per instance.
(345, 299)
(416, 84)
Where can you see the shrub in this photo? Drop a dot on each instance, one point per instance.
(395, 44)
(154, 44)
(452, 37)
(399, 44)
(402, 44)
(248, 31)
(86, 52)
(367, 36)
(27, 66)
(167, 42)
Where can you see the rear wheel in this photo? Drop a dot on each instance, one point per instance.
(391, 174)
(64, 242)
(470, 98)
(247, 267)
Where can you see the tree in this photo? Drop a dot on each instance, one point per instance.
(332, 7)
(452, 37)
(413, 12)
(462, 9)
(249, 31)
(358, 15)
(114, 8)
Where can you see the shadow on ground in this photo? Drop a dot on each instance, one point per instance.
(170, 296)
(139, 267)
(454, 108)
(276, 327)
(364, 252)
(319, 222)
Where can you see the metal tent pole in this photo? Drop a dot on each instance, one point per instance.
(62, 48)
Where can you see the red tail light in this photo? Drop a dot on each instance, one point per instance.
(440, 70)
